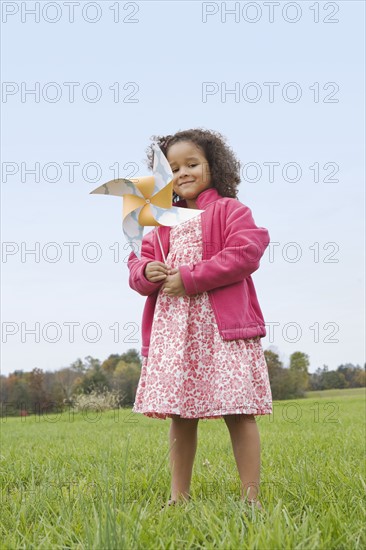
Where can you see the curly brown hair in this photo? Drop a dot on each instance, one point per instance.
(224, 166)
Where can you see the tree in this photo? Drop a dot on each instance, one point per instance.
(95, 379)
(349, 372)
(299, 365)
(360, 378)
(78, 366)
(131, 356)
(287, 383)
(92, 363)
(66, 379)
(273, 363)
(333, 379)
(109, 365)
(37, 392)
(16, 393)
(126, 377)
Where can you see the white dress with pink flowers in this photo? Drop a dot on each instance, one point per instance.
(191, 371)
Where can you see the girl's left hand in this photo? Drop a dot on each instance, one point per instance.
(173, 284)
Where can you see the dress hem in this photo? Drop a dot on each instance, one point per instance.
(168, 414)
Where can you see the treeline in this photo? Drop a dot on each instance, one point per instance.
(294, 381)
(39, 392)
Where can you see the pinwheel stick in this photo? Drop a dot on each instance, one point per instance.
(161, 246)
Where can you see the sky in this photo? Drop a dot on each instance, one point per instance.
(84, 87)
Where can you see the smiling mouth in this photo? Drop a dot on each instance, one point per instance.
(185, 182)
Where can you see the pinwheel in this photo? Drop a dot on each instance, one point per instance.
(147, 201)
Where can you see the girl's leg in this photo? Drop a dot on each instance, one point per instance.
(183, 445)
(246, 446)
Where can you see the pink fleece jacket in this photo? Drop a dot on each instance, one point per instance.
(232, 248)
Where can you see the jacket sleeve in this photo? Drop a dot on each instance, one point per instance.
(137, 279)
(243, 245)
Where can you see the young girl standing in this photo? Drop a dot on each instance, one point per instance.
(202, 324)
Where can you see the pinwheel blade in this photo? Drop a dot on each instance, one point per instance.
(161, 169)
(174, 215)
(133, 231)
(118, 188)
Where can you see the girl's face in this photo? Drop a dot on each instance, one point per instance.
(191, 171)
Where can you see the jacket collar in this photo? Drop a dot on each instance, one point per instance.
(204, 199)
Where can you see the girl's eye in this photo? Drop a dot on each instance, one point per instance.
(189, 166)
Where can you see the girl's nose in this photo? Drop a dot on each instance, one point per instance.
(183, 171)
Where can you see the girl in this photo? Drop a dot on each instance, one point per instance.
(202, 324)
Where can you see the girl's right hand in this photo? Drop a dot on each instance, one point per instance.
(156, 271)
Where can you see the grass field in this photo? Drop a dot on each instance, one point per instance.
(90, 480)
(325, 394)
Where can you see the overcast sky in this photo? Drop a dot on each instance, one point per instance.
(85, 85)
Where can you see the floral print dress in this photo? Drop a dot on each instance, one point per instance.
(191, 371)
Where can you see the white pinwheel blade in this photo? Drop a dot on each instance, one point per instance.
(134, 231)
(161, 169)
(174, 215)
(118, 188)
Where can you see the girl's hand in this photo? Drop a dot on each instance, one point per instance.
(173, 284)
(156, 271)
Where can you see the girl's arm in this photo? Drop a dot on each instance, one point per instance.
(244, 245)
(137, 279)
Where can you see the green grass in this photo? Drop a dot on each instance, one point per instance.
(347, 392)
(71, 482)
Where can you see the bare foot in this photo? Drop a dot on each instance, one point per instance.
(173, 502)
(254, 503)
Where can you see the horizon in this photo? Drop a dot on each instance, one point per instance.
(82, 110)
